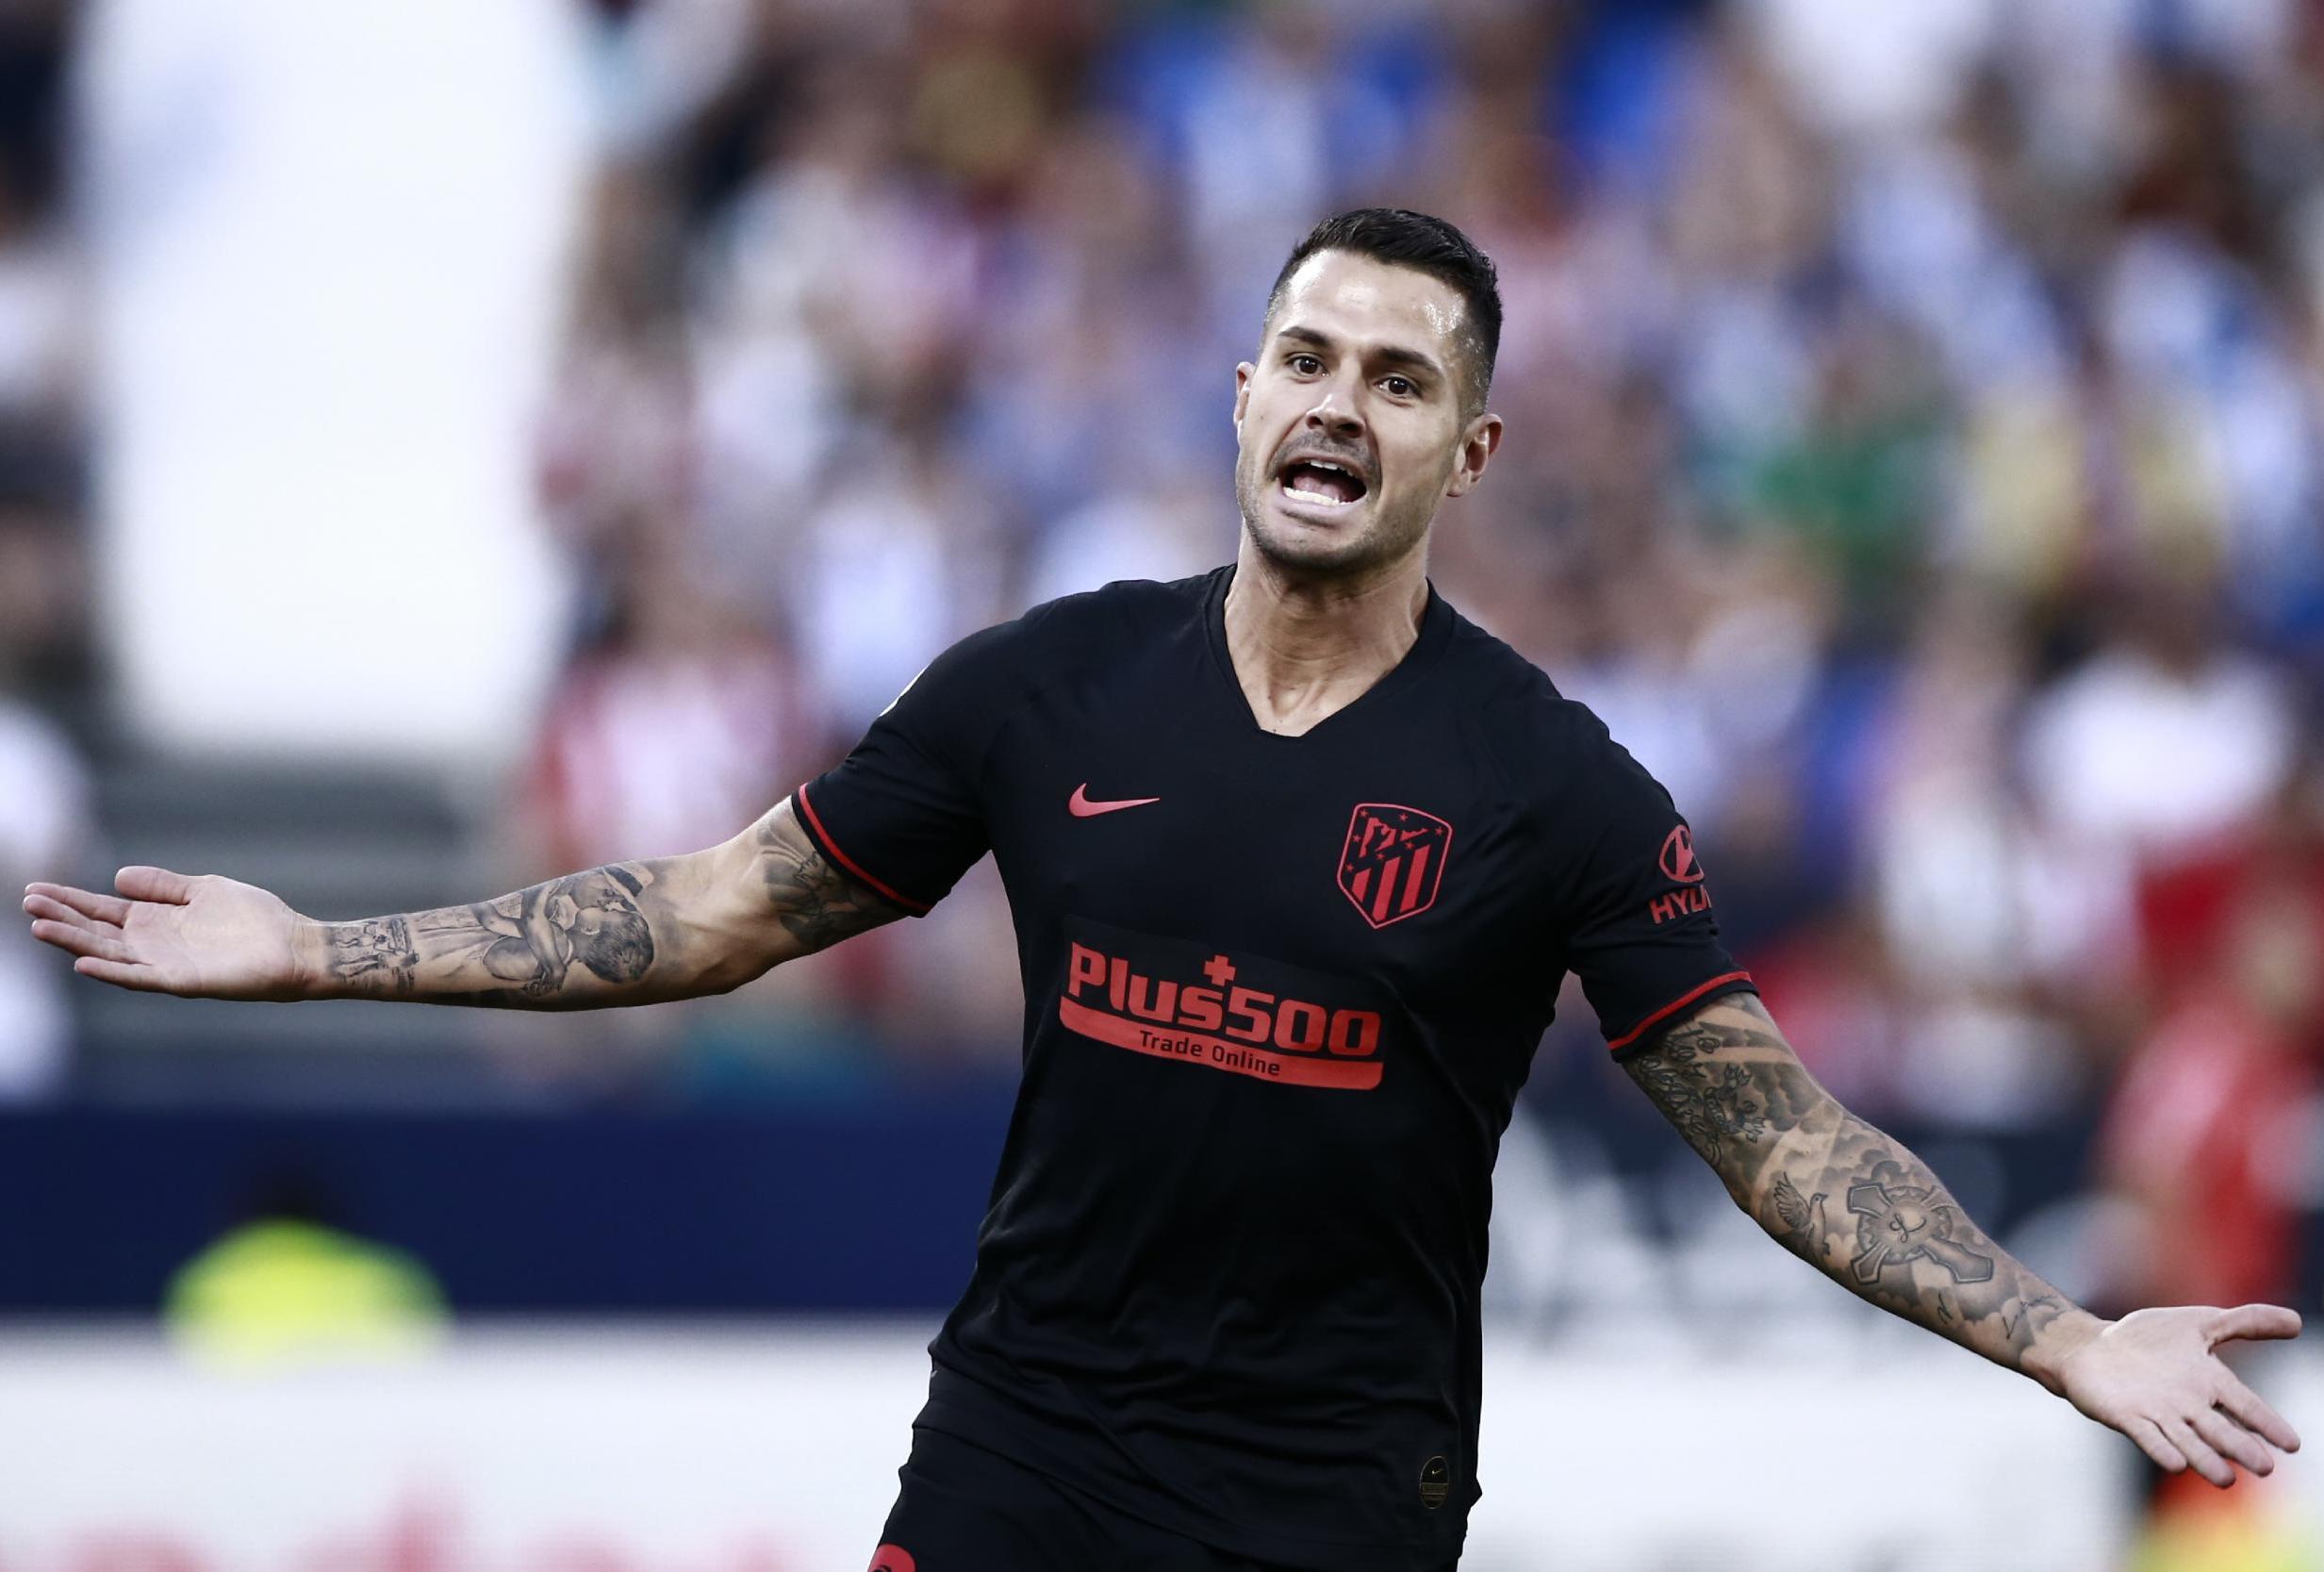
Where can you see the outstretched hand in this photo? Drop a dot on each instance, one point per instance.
(2153, 1374)
(171, 933)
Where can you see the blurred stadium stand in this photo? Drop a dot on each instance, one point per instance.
(325, 840)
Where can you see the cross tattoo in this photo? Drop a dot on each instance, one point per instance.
(1903, 1224)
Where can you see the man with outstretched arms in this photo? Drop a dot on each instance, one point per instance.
(1297, 857)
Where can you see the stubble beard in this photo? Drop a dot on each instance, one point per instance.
(1384, 539)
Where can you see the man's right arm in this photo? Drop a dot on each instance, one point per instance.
(634, 932)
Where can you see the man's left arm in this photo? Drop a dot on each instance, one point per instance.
(1862, 1210)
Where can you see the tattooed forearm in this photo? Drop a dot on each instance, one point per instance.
(1837, 1191)
(1795, 1223)
(1904, 1243)
(535, 938)
(379, 948)
(1899, 1222)
(520, 950)
(633, 933)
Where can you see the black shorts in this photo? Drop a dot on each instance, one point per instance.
(963, 1509)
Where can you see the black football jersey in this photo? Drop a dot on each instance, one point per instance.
(1280, 993)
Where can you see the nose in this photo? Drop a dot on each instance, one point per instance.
(1334, 411)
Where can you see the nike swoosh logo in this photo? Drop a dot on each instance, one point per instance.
(1083, 809)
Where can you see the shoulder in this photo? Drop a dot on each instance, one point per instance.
(967, 692)
(1549, 743)
(1123, 612)
(1126, 609)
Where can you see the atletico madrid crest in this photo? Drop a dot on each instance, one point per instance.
(1393, 861)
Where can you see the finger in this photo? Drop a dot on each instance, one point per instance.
(2231, 1440)
(2249, 1410)
(105, 908)
(154, 883)
(2158, 1449)
(104, 943)
(2252, 1321)
(2197, 1452)
(41, 907)
(144, 979)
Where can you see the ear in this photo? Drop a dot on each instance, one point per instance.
(1477, 450)
(1244, 371)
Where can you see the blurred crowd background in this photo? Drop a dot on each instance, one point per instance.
(1912, 454)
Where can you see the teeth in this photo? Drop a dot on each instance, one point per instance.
(1318, 498)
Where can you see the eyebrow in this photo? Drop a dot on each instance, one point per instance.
(1393, 355)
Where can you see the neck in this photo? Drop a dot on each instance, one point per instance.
(1304, 648)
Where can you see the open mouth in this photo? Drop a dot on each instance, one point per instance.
(1321, 483)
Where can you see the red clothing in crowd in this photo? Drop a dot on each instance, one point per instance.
(2199, 1126)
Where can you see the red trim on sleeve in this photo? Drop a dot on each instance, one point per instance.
(815, 821)
(1672, 1007)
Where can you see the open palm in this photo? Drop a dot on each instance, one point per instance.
(2153, 1374)
(172, 933)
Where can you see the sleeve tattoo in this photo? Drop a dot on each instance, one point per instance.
(1832, 1189)
(626, 933)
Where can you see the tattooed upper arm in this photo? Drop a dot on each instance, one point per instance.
(1728, 1082)
(814, 905)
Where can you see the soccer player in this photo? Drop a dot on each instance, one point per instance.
(1298, 858)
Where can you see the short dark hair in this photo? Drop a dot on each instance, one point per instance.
(1408, 240)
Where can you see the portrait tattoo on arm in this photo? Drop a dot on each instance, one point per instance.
(520, 950)
(534, 938)
(1834, 1190)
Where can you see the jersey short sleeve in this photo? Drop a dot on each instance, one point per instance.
(1640, 930)
(903, 813)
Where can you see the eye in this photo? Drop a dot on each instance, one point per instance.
(1304, 364)
(1400, 386)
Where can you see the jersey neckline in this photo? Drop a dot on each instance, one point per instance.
(1436, 627)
